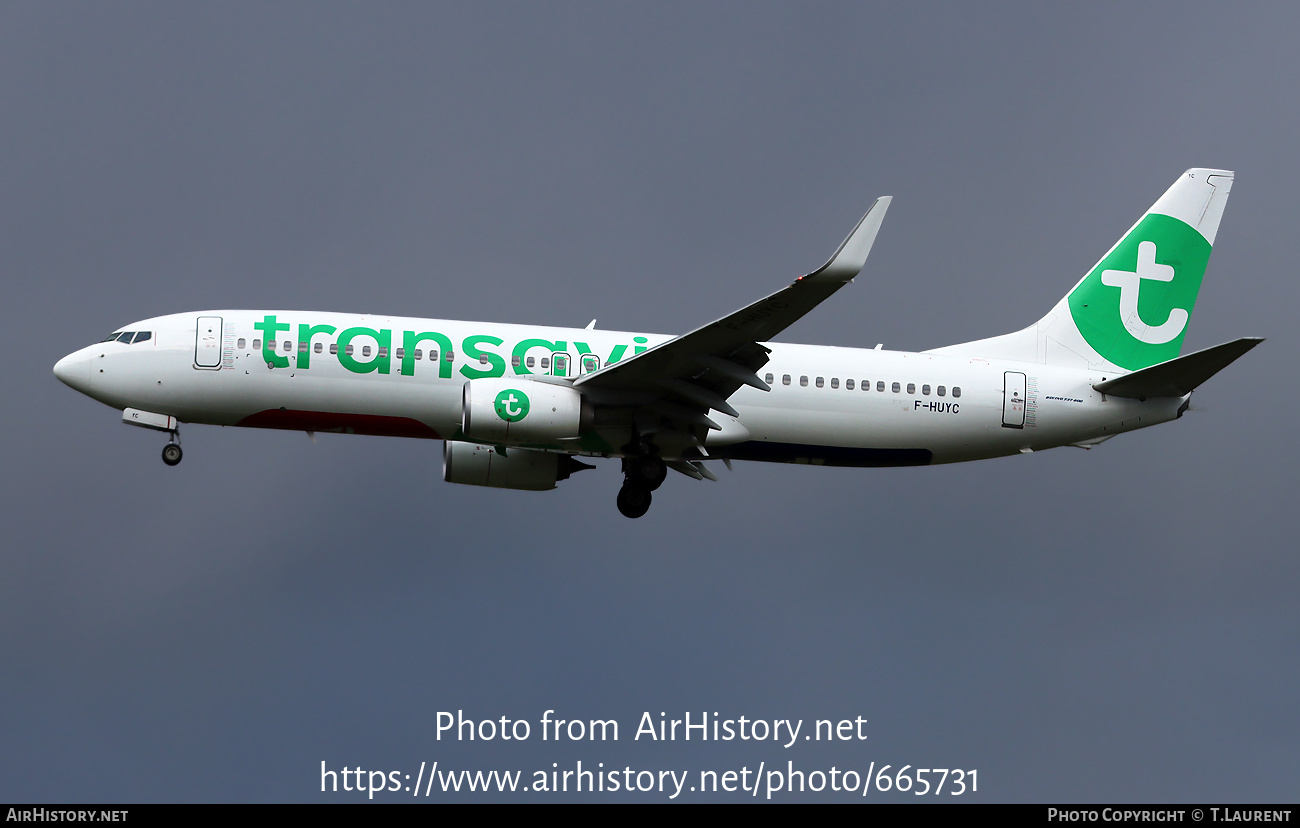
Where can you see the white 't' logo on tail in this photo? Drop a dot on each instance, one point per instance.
(1130, 283)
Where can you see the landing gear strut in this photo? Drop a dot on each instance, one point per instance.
(171, 453)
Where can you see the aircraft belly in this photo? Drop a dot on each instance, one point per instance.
(891, 423)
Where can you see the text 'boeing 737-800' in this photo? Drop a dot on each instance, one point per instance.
(517, 405)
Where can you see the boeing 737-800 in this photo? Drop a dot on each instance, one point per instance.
(517, 404)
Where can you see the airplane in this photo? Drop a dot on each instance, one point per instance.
(517, 405)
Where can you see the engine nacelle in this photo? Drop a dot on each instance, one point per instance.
(514, 411)
(475, 465)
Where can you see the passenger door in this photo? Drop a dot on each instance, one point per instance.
(207, 342)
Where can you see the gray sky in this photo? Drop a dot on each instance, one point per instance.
(1117, 624)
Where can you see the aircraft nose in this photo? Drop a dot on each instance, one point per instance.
(74, 370)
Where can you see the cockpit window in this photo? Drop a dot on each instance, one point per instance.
(127, 337)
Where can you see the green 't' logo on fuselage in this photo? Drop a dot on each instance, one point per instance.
(1134, 306)
(512, 405)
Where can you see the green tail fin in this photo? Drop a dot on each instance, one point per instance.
(1134, 305)
(1132, 309)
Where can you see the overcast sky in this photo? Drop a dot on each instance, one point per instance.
(1118, 624)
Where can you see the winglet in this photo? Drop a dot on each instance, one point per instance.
(852, 254)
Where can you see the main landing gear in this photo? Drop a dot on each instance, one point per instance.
(642, 474)
(633, 501)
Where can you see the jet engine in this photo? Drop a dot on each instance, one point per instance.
(476, 465)
(513, 411)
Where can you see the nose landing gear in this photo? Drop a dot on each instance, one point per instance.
(171, 453)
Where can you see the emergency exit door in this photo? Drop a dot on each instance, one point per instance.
(1013, 400)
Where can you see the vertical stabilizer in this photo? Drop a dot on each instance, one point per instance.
(1132, 308)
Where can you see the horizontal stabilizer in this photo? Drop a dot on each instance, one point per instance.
(1177, 377)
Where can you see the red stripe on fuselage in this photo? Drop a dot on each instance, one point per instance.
(373, 424)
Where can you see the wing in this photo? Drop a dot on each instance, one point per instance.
(676, 383)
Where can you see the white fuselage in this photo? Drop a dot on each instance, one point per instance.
(360, 374)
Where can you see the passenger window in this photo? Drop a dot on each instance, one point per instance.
(449, 356)
(349, 349)
(546, 362)
(302, 347)
(142, 336)
(514, 361)
(821, 383)
(530, 362)
(880, 386)
(941, 391)
(925, 389)
(590, 363)
(561, 365)
(334, 347)
(956, 392)
(803, 381)
(126, 337)
(835, 382)
(769, 379)
(271, 344)
(257, 344)
(895, 388)
(318, 347)
(383, 352)
(419, 353)
(785, 379)
(433, 356)
(482, 359)
(365, 350)
(401, 353)
(911, 388)
(240, 344)
(287, 346)
(848, 385)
